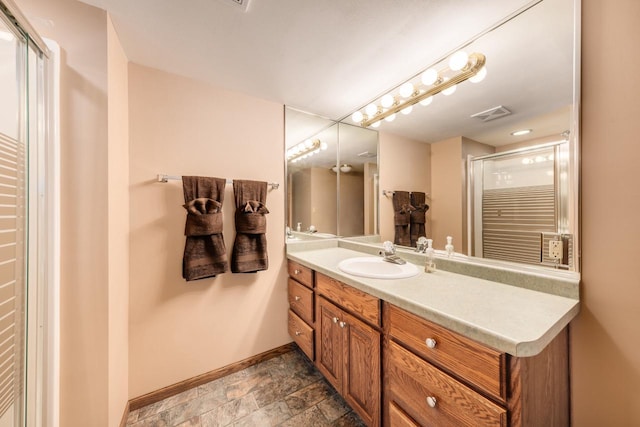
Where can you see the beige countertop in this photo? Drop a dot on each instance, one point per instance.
(509, 318)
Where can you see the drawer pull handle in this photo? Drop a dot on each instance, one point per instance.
(335, 320)
(297, 298)
(343, 324)
(431, 343)
(296, 271)
(298, 333)
(431, 401)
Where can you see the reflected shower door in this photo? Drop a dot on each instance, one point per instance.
(516, 204)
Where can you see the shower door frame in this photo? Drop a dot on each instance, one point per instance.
(563, 194)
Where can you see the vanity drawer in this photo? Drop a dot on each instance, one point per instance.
(302, 334)
(301, 273)
(433, 398)
(354, 300)
(301, 300)
(397, 417)
(473, 362)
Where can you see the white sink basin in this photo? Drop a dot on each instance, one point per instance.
(376, 268)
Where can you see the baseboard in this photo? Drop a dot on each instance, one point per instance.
(163, 393)
(125, 416)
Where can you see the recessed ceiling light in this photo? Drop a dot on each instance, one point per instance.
(521, 132)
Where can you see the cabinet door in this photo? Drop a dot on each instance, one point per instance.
(329, 342)
(361, 382)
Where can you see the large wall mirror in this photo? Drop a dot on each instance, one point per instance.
(332, 173)
(500, 194)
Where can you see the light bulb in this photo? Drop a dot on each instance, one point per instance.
(426, 101)
(371, 110)
(458, 60)
(375, 124)
(407, 110)
(387, 101)
(406, 90)
(429, 77)
(357, 117)
(390, 118)
(324, 146)
(479, 76)
(449, 90)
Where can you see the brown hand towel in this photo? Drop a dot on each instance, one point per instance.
(402, 217)
(205, 254)
(418, 216)
(250, 247)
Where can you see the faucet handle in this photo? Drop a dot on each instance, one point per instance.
(389, 248)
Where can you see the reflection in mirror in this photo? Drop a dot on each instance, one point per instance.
(531, 84)
(332, 171)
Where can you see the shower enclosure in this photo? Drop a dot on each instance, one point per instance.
(25, 212)
(519, 203)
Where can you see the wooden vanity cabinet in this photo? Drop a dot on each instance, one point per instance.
(301, 317)
(431, 376)
(436, 377)
(348, 348)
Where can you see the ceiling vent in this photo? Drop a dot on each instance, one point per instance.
(492, 113)
(367, 154)
(243, 4)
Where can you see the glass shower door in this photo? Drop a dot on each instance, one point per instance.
(13, 227)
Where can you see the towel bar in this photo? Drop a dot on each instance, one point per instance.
(165, 178)
(388, 193)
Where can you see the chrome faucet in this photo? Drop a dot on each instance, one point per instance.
(421, 244)
(389, 254)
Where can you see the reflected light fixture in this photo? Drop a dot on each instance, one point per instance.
(345, 168)
(305, 149)
(460, 67)
(521, 132)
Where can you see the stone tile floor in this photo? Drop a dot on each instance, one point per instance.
(284, 391)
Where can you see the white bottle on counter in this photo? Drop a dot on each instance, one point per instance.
(449, 246)
(430, 265)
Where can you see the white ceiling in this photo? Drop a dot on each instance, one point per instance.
(327, 57)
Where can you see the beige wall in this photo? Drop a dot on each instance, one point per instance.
(324, 201)
(404, 165)
(181, 329)
(351, 204)
(118, 223)
(448, 187)
(446, 193)
(81, 32)
(605, 351)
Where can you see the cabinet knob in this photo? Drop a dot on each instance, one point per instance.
(431, 401)
(431, 342)
(297, 298)
(335, 320)
(298, 333)
(343, 324)
(296, 271)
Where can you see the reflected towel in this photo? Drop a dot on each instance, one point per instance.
(402, 217)
(250, 246)
(205, 254)
(418, 216)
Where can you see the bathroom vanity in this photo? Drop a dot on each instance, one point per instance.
(438, 349)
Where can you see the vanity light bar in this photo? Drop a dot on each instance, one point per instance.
(304, 149)
(475, 64)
